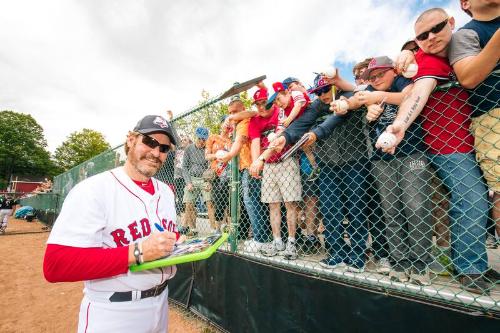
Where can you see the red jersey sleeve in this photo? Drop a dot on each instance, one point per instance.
(69, 264)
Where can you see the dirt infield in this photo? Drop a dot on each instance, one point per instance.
(31, 304)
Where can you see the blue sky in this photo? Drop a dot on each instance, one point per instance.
(103, 65)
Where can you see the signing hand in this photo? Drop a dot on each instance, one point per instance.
(158, 245)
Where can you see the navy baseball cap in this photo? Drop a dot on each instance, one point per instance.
(202, 133)
(155, 124)
(277, 86)
(290, 80)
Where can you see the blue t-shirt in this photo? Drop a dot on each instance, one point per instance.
(412, 142)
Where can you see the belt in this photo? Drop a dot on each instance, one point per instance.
(125, 296)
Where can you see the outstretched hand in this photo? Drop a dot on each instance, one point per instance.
(398, 130)
(158, 245)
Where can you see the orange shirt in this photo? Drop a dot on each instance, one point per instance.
(245, 156)
(217, 142)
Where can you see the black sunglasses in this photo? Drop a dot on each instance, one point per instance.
(435, 29)
(322, 91)
(153, 143)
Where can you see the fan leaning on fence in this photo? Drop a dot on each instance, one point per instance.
(107, 223)
(446, 121)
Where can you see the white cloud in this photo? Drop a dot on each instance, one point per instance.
(104, 64)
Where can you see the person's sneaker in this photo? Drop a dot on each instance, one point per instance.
(252, 246)
(272, 249)
(332, 262)
(491, 242)
(357, 266)
(437, 268)
(383, 266)
(2, 230)
(397, 276)
(314, 174)
(492, 276)
(420, 278)
(474, 283)
(290, 252)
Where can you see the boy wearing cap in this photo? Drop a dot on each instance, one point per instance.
(402, 179)
(293, 103)
(280, 179)
(193, 166)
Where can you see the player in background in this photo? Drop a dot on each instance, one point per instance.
(7, 208)
(111, 221)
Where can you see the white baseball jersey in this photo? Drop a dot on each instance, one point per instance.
(109, 210)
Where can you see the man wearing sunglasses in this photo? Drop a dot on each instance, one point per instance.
(111, 221)
(446, 122)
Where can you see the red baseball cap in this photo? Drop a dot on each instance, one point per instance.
(277, 86)
(260, 95)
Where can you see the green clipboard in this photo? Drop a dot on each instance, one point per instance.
(193, 249)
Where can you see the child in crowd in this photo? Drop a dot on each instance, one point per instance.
(402, 179)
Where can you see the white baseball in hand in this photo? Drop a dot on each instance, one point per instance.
(330, 72)
(341, 105)
(386, 140)
(271, 136)
(411, 71)
(220, 154)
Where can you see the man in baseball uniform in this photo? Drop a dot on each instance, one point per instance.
(7, 209)
(111, 221)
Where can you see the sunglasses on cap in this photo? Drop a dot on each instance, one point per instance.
(322, 90)
(153, 143)
(435, 29)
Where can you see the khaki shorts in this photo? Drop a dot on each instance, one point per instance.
(486, 131)
(281, 182)
(200, 187)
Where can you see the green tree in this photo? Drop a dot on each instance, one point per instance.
(79, 147)
(22, 147)
(209, 116)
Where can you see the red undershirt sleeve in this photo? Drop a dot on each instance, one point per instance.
(69, 264)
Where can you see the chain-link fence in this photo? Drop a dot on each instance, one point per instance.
(420, 222)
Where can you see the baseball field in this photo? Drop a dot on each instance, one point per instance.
(31, 304)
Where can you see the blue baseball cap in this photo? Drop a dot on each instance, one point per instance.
(202, 133)
(278, 87)
(290, 80)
